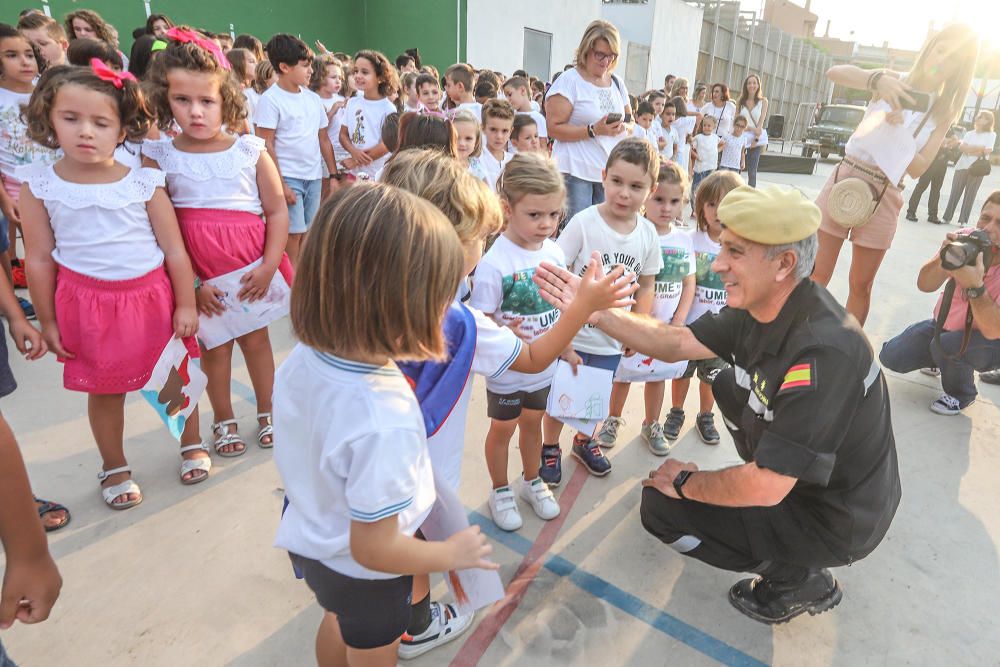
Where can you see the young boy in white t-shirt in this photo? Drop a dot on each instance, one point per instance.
(524, 136)
(624, 239)
(670, 146)
(532, 196)
(517, 91)
(459, 82)
(644, 126)
(291, 120)
(429, 94)
(673, 295)
(498, 122)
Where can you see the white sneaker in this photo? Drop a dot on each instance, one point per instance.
(538, 494)
(933, 371)
(608, 434)
(446, 624)
(503, 508)
(948, 405)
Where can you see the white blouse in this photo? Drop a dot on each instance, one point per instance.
(224, 180)
(102, 230)
(724, 117)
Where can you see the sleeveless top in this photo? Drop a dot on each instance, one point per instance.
(102, 230)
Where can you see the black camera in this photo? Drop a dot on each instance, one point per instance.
(964, 250)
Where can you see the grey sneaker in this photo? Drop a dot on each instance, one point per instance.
(653, 435)
(609, 432)
(672, 424)
(706, 428)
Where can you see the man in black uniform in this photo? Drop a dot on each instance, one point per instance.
(806, 404)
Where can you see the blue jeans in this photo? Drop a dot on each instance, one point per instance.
(581, 194)
(753, 160)
(915, 348)
(699, 176)
(6, 660)
(307, 196)
(4, 247)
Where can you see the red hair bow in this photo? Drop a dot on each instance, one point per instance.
(190, 36)
(105, 73)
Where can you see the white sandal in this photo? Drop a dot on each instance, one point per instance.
(124, 488)
(223, 437)
(191, 465)
(267, 430)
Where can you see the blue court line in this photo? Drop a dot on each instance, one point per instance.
(667, 624)
(660, 620)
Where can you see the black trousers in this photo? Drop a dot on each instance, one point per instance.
(934, 177)
(781, 542)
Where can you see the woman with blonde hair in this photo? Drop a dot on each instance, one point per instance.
(587, 111)
(890, 142)
(976, 143)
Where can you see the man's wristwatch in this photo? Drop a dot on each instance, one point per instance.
(974, 292)
(679, 481)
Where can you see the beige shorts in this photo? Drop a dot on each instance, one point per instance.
(877, 233)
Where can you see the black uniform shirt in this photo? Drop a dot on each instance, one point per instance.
(806, 398)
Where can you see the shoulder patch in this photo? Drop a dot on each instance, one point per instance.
(799, 376)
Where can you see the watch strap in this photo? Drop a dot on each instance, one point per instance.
(679, 481)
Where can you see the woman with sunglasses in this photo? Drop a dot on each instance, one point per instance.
(587, 111)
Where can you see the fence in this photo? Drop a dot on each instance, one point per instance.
(735, 43)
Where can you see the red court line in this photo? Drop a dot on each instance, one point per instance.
(475, 646)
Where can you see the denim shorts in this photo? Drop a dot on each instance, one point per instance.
(580, 194)
(607, 362)
(307, 199)
(5, 659)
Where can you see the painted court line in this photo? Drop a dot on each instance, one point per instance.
(666, 623)
(484, 634)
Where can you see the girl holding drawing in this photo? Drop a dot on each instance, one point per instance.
(221, 184)
(891, 142)
(108, 271)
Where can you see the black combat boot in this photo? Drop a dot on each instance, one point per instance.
(774, 601)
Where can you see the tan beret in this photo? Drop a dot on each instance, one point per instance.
(770, 215)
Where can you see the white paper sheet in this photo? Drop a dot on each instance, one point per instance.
(584, 396)
(242, 317)
(640, 368)
(481, 587)
(175, 386)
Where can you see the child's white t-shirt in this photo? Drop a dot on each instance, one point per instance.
(477, 170)
(543, 130)
(493, 167)
(709, 292)
(707, 146)
(496, 349)
(354, 448)
(503, 288)
(475, 107)
(677, 251)
(328, 102)
(638, 251)
(670, 134)
(296, 119)
(16, 147)
(733, 150)
(364, 119)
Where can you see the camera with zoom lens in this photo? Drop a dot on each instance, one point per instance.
(964, 250)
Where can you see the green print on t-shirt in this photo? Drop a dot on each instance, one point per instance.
(520, 295)
(676, 265)
(704, 276)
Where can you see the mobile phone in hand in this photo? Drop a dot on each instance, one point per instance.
(921, 101)
(613, 118)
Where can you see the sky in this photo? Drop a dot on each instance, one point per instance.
(903, 23)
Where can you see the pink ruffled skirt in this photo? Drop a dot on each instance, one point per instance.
(220, 241)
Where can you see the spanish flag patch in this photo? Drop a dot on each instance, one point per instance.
(799, 376)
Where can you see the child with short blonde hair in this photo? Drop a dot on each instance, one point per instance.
(459, 86)
(469, 143)
(498, 121)
(357, 494)
(709, 296)
(517, 90)
(533, 198)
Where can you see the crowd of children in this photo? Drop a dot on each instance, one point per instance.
(203, 160)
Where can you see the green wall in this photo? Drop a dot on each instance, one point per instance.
(390, 26)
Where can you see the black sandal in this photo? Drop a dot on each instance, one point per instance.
(46, 506)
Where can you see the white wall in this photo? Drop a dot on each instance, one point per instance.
(496, 30)
(672, 30)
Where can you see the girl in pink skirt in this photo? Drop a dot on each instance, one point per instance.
(221, 185)
(109, 275)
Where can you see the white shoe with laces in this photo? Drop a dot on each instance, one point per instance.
(446, 624)
(948, 405)
(538, 494)
(608, 435)
(503, 509)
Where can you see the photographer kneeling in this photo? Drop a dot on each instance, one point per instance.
(969, 338)
(804, 400)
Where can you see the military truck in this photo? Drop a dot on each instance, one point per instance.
(832, 126)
